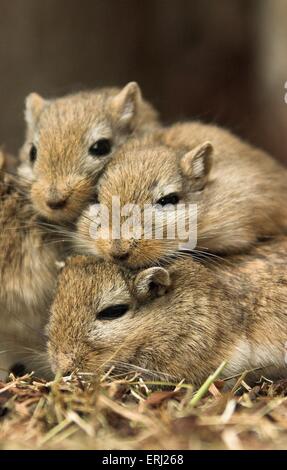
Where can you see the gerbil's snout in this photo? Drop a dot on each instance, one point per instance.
(121, 256)
(62, 199)
(57, 201)
(57, 198)
(64, 363)
(120, 251)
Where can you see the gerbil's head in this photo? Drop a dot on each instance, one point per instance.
(69, 140)
(103, 317)
(153, 190)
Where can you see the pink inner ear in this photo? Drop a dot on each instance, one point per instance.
(153, 279)
(126, 100)
(198, 167)
(128, 110)
(196, 162)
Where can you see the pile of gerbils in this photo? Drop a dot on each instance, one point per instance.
(169, 296)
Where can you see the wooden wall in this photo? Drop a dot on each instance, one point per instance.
(220, 61)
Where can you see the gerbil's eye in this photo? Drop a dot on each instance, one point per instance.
(33, 153)
(94, 199)
(172, 198)
(115, 311)
(100, 148)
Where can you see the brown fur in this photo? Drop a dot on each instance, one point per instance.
(244, 199)
(182, 321)
(239, 190)
(63, 130)
(28, 273)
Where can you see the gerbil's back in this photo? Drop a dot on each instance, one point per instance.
(260, 273)
(257, 283)
(244, 199)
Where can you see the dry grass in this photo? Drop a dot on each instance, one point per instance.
(131, 414)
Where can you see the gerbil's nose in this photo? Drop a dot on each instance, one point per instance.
(120, 250)
(56, 201)
(121, 256)
(63, 363)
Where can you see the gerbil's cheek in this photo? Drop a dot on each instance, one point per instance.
(52, 358)
(149, 252)
(102, 248)
(38, 199)
(85, 236)
(26, 172)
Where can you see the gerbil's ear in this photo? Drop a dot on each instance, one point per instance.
(126, 103)
(34, 105)
(152, 282)
(196, 165)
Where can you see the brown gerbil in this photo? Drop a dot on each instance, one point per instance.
(29, 257)
(178, 322)
(70, 139)
(239, 191)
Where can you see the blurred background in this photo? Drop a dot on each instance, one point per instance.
(219, 61)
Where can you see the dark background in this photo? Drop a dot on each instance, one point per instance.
(223, 61)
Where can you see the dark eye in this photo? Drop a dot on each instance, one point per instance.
(115, 311)
(172, 198)
(33, 154)
(100, 148)
(94, 199)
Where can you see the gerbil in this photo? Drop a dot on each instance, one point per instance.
(70, 139)
(28, 271)
(8, 164)
(240, 193)
(178, 322)
(247, 190)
